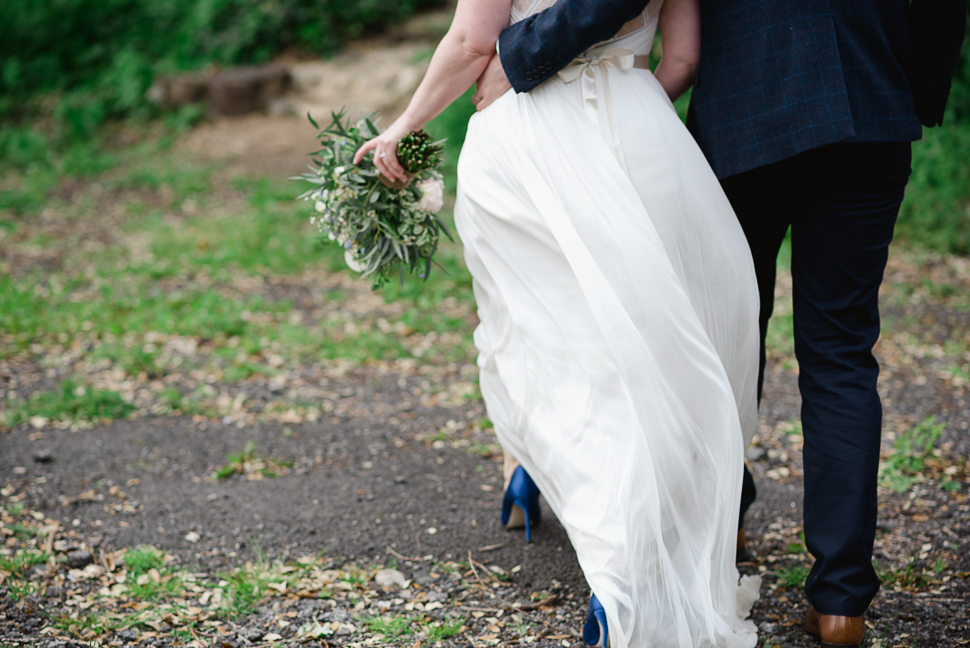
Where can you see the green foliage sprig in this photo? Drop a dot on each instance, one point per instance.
(385, 230)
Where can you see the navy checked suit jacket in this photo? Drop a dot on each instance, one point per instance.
(777, 77)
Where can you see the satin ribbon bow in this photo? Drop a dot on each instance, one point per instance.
(585, 67)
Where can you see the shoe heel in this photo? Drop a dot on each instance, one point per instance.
(520, 505)
(596, 632)
(528, 525)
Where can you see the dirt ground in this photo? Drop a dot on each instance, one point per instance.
(364, 485)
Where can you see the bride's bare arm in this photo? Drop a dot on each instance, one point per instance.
(680, 32)
(458, 60)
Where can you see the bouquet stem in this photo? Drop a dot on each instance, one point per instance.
(397, 185)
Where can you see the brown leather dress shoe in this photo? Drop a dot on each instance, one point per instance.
(742, 554)
(835, 631)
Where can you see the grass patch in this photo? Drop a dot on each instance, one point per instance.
(72, 402)
(793, 576)
(18, 564)
(271, 236)
(18, 588)
(355, 576)
(180, 288)
(797, 547)
(88, 625)
(439, 631)
(117, 305)
(903, 467)
(389, 626)
(249, 464)
(910, 576)
(141, 559)
(149, 577)
(791, 428)
(241, 590)
(22, 531)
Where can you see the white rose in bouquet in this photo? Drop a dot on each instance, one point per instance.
(432, 195)
(352, 261)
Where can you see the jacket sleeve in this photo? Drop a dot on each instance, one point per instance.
(936, 32)
(534, 49)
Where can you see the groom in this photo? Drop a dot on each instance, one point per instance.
(806, 112)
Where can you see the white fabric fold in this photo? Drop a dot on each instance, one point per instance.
(588, 68)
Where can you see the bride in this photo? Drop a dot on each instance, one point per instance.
(618, 344)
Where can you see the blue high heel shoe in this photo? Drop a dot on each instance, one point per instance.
(595, 631)
(520, 506)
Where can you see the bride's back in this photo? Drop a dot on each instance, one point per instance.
(522, 9)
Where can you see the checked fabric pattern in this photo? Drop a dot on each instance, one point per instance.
(779, 78)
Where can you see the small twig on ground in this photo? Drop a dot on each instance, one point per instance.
(492, 547)
(49, 544)
(403, 557)
(471, 562)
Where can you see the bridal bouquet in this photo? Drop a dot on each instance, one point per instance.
(386, 227)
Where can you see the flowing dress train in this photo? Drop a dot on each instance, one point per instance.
(618, 343)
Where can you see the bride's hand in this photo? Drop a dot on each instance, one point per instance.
(491, 85)
(385, 151)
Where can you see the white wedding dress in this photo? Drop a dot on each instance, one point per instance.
(619, 336)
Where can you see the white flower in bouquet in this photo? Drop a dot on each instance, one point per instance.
(432, 195)
(352, 261)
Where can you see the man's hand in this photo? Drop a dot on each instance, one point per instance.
(491, 85)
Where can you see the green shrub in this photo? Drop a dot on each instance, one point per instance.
(959, 103)
(101, 55)
(936, 212)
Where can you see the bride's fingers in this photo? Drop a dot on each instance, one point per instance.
(385, 158)
(395, 167)
(387, 162)
(380, 161)
(362, 151)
